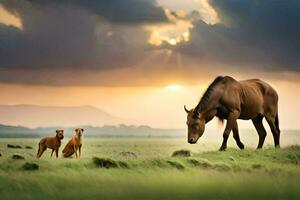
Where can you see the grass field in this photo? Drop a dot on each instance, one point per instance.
(153, 174)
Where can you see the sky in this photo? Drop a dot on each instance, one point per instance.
(145, 59)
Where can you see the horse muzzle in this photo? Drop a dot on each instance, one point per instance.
(192, 141)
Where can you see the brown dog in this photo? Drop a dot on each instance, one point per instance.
(51, 143)
(74, 145)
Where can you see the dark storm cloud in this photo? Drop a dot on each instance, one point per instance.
(76, 34)
(262, 34)
(123, 11)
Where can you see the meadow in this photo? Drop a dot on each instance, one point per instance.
(143, 168)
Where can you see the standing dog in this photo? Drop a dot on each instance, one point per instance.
(51, 143)
(74, 145)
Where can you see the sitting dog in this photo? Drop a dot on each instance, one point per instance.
(51, 143)
(74, 145)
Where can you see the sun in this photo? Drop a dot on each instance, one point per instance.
(174, 87)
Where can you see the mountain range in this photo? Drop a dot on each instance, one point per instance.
(90, 131)
(50, 116)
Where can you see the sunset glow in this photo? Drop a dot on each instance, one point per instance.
(144, 64)
(9, 19)
(176, 32)
(174, 87)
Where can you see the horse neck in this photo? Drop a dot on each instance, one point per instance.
(212, 101)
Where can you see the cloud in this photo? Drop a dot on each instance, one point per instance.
(128, 11)
(261, 34)
(58, 34)
(62, 38)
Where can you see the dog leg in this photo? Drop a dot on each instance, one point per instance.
(79, 150)
(38, 153)
(75, 151)
(42, 149)
(56, 153)
(51, 153)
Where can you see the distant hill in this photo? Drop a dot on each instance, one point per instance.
(289, 136)
(16, 131)
(90, 131)
(49, 116)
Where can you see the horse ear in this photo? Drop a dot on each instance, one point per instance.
(186, 110)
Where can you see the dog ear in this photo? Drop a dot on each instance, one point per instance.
(57, 131)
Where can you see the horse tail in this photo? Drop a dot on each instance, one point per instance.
(220, 121)
(277, 122)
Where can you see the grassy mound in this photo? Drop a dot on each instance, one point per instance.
(109, 163)
(181, 153)
(14, 146)
(30, 166)
(18, 157)
(105, 162)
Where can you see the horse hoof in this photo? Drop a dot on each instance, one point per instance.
(222, 149)
(241, 146)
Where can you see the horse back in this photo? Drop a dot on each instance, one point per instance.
(257, 97)
(251, 97)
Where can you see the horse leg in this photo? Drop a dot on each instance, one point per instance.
(232, 117)
(260, 130)
(275, 131)
(236, 135)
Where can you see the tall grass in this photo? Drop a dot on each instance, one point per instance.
(208, 174)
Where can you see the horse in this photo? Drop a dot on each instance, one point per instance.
(229, 99)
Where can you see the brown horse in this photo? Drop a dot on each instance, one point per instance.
(229, 99)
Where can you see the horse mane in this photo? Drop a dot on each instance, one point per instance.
(206, 96)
